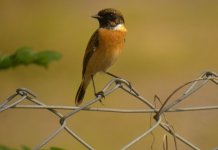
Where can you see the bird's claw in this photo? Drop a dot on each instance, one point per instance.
(100, 93)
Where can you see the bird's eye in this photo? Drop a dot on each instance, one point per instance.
(112, 17)
(111, 14)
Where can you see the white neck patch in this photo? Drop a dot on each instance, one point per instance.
(120, 27)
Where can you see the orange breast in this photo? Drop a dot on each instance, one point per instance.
(111, 39)
(110, 45)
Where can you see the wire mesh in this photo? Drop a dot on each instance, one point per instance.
(23, 94)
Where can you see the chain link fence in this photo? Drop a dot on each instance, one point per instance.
(158, 115)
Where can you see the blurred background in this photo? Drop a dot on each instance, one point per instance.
(168, 43)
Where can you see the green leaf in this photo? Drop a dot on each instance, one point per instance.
(56, 148)
(4, 148)
(6, 62)
(43, 58)
(23, 56)
(25, 148)
(26, 56)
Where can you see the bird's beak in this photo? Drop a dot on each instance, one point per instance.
(96, 16)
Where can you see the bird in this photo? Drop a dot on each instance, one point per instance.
(103, 49)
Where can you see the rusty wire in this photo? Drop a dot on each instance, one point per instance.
(23, 94)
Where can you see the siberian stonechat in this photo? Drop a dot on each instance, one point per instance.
(103, 48)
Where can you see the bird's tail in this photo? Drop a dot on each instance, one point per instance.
(81, 91)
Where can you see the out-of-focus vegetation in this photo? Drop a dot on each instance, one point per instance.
(26, 56)
(2, 147)
(168, 43)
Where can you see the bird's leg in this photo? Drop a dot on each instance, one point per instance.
(118, 82)
(97, 93)
(110, 74)
(93, 83)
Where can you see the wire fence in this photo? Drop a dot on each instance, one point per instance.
(23, 94)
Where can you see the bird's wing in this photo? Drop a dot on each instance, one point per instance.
(91, 47)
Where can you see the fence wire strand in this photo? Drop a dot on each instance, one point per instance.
(23, 94)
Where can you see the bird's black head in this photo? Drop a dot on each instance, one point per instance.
(109, 18)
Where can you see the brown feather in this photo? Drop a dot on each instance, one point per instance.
(82, 90)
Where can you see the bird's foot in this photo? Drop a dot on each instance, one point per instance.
(100, 93)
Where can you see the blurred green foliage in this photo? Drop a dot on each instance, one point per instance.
(2, 147)
(26, 56)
